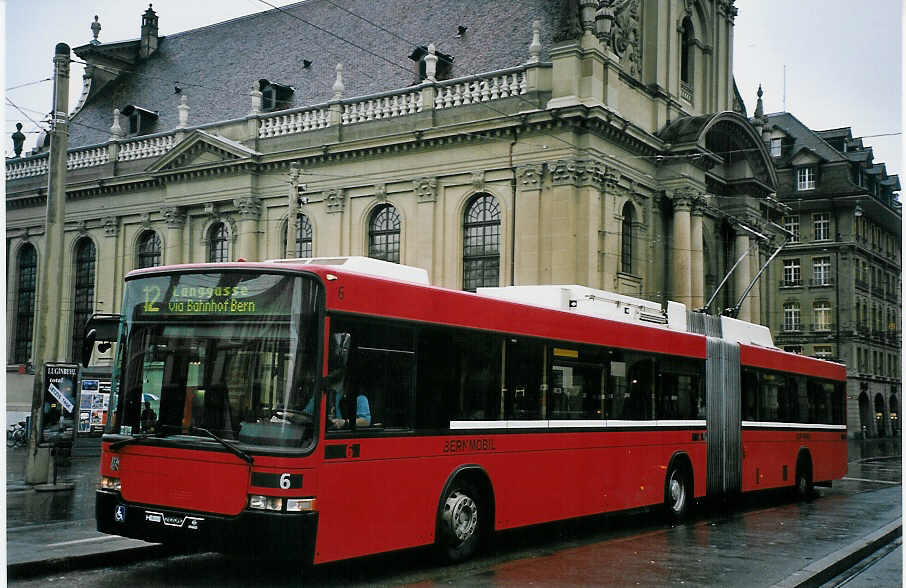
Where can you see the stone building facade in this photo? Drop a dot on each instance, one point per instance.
(837, 282)
(600, 143)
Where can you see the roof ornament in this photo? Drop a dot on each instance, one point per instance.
(759, 106)
(95, 30)
(431, 64)
(256, 99)
(535, 48)
(18, 140)
(116, 131)
(183, 109)
(338, 87)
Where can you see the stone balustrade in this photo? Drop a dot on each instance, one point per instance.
(87, 157)
(145, 147)
(277, 125)
(381, 107)
(480, 89)
(26, 167)
(448, 94)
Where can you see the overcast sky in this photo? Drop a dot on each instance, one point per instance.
(843, 65)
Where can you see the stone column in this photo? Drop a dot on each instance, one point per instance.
(425, 213)
(528, 223)
(175, 218)
(249, 211)
(743, 275)
(698, 259)
(681, 264)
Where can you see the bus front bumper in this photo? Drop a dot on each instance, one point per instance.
(283, 534)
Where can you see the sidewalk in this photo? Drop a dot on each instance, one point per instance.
(55, 531)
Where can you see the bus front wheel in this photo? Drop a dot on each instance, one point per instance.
(677, 493)
(458, 523)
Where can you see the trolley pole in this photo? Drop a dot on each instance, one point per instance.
(46, 346)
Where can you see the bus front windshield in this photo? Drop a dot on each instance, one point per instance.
(233, 353)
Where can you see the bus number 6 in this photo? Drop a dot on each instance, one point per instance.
(285, 482)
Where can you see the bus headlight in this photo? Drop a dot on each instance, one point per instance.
(259, 502)
(109, 483)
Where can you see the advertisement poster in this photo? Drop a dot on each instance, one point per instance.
(58, 415)
(89, 391)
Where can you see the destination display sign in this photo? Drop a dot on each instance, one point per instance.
(211, 295)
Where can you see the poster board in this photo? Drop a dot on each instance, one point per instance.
(58, 411)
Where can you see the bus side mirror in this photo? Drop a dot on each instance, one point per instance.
(102, 329)
(88, 346)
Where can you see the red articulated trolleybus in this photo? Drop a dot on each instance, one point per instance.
(332, 408)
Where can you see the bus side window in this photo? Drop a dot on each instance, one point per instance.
(679, 389)
(749, 384)
(458, 377)
(524, 367)
(632, 386)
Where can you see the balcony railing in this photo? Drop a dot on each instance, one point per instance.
(818, 282)
(790, 283)
(481, 88)
(823, 328)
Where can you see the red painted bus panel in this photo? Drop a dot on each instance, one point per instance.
(767, 451)
(205, 481)
(391, 492)
(782, 361)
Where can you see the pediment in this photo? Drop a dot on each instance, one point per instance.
(806, 156)
(202, 149)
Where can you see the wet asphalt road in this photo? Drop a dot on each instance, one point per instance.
(758, 542)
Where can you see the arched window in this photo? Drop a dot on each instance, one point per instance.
(303, 237)
(218, 243)
(83, 297)
(686, 55)
(384, 234)
(25, 303)
(149, 249)
(481, 243)
(626, 244)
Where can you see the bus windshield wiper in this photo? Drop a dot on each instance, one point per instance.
(156, 435)
(231, 448)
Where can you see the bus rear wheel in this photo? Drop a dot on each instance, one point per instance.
(458, 524)
(804, 486)
(678, 494)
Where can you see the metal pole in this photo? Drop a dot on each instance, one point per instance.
(47, 335)
(292, 220)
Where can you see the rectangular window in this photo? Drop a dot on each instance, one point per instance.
(459, 377)
(630, 387)
(791, 317)
(525, 381)
(822, 311)
(792, 275)
(776, 145)
(679, 391)
(822, 226)
(824, 351)
(578, 379)
(805, 178)
(791, 224)
(821, 271)
(373, 389)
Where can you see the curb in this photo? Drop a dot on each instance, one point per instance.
(841, 560)
(69, 563)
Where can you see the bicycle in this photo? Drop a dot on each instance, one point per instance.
(15, 435)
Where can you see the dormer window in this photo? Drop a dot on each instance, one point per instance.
(776, 146)
(275, 96)
(444, 64)
(141, 120)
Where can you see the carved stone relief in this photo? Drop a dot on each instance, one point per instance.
(426, 189)
(336, 200)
